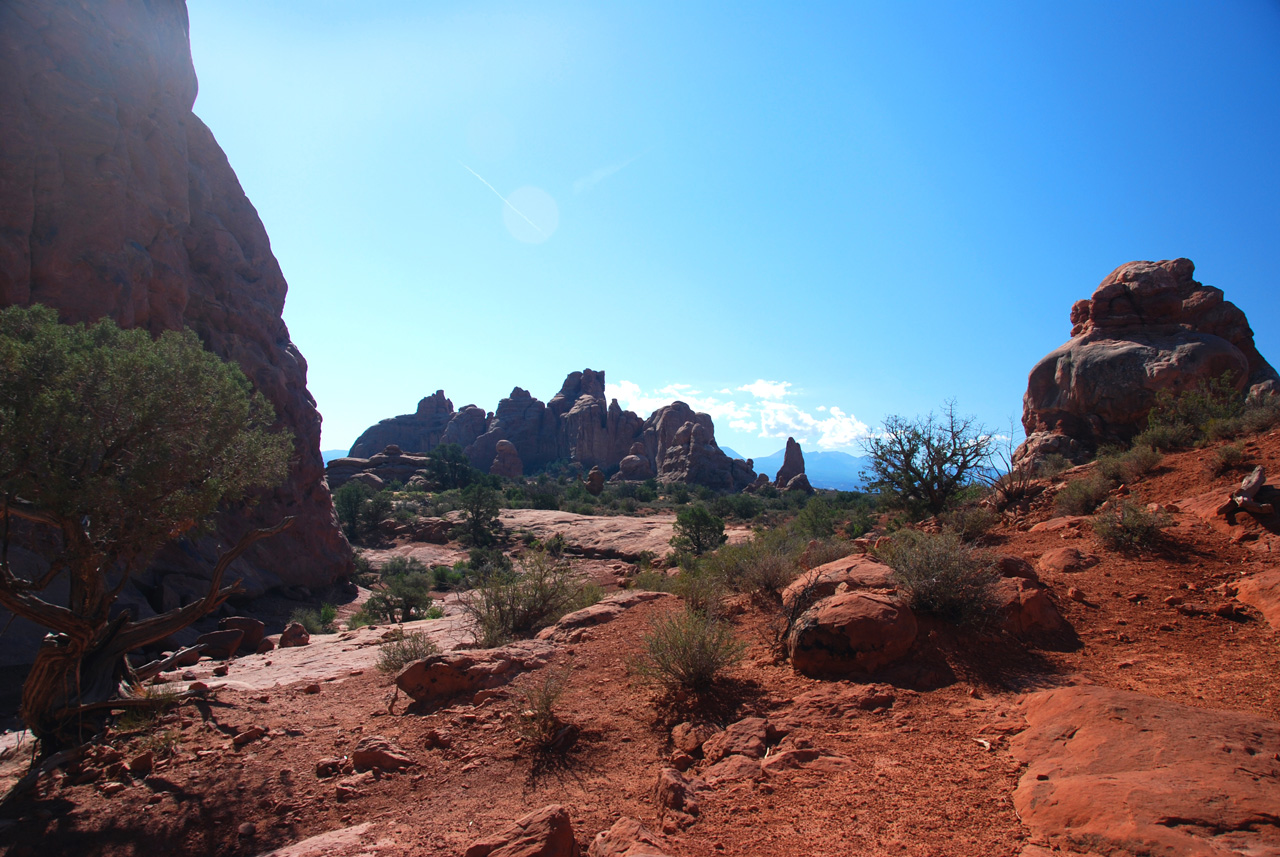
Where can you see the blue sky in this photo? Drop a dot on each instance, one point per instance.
(797, 220)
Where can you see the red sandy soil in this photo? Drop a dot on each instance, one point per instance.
(931, 774)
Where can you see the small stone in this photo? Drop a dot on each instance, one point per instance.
(253, 733)
(312, 688)
(1076, 594)
(248, 829)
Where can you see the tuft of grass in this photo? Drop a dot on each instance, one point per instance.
(940, 574)
(1130, 466)
(1227, 458)
(1123, 525)
(1052, 466)
(401, 649)
(688, 652)
(539, 725)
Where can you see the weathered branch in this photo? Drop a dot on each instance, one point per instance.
(158, 627)
(156, 667)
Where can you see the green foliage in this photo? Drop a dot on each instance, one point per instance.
(940, 574)
(1193, 415)
(817, 519)
(399, 650)
(679, 493)
(448, 467)
(1052, 466)
(405, 592)
(316, 621)
(348, 502)
(517, 604)
(125, 441)
(1122, 525)
(971, 521)
(483, 563)
(480, 526)
(540, 727)
(763, 566)
(444, 578)
(375, 509)
(1083, 494)
(688, 651)
(697, 530)
(920, 465)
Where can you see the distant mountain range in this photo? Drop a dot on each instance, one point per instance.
(838, 471)
(330, 454)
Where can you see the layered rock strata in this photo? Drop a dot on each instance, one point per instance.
(675, 444)
(1148, 327)
(116, 201)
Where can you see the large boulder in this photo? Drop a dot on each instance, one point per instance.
(440, 676)
(116, 201)
(851, 633)
(682, 443)
(1115, 772)
(1149, 327)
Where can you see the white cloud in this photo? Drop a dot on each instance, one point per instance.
(828, 428)
(763, 389)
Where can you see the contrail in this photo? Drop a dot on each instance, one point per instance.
(501, 197)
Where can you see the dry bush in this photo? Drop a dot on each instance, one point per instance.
(1129, 466)
(1122, 525)
(688, 651)
(1081, 496)
(1227, 458)
(516, 604)
(540, 727)
(940, 574)
(401, 649)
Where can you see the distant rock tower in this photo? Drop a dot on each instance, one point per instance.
(791, 475)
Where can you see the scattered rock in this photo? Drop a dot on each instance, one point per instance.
(221, 645)
(330, 767)
(1131, 774)
(311, 689)
(732, 768)
(373, 752)
(678, 793)
(294, 635)
(1262, 592)
(254, 631)
(1065, 561)
(1024, 608)
(747, 738)
(842, 699)
(253, 733)
(448, 674)
(544, 833)
(627, 838)
(852, 632)
(605, 610)
(1016, 566)
(142, 764)
(856, 571)
(689, 737)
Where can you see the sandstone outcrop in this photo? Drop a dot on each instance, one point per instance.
(545, 833)
(116, 201)
(376, 471)
(506, 461)
(675, 444)
(792, 464)
(1148, 327)
(1115, 772)
(851, 632)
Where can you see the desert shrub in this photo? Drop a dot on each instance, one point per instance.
(1259, 415)
(364, 575)
(400, 650)
(688, 651)
(822, 551)
(479, 525)
(971, 521)
(920, 465)
(145, 706)
(650, 580)
(763, 566)
(940, 574)
(406, 591)
(697, 530)
(483, 563)
(1226, 458)
(1052, 466)
(518, 603)
(700, 591)
(817, 520)
(1129, 466)
(1123, 525)
(316, 620)
(444, 578)
(679, 493)
(1193, 415)
(1081, 496)
(348, 502)
(360, 619)
(1166, 438)
(375, 509)
(556, 545)
(541, 729)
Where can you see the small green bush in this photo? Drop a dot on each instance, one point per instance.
(360, 619)
(400, 650)
(316, 621)
(697, 530)
(1082, 495)
(1123, 525)
(940, 574)
(649, 580)
(1052, 466)
(1166, 438)
(688, 651)
(405, 592)
(540, 727)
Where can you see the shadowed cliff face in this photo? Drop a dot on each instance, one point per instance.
(115, 200)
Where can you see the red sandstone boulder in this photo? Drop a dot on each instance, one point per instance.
(373, 752)
(1262, 592)
(1024, 608)
(1149, 327)
(627, 838)
(544, 833)
(1065, 561)
(448, 674)
(852, 632)
(252, 629)
(747, 738)
(294, 635)
(1115, 772)
(220, 645)
(857, 571)
(506, 461)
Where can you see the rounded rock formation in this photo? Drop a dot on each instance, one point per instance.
(506, 461)
(851, 632)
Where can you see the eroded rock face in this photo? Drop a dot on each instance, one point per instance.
(506, 461)
(1148, 327)
(1115, 772)
(578, 424)
(792, 464)
(115, 200)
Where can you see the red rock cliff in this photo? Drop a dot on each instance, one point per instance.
(115, 200)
